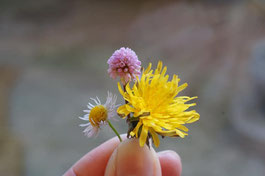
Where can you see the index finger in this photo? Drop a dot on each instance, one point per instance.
(96, 160)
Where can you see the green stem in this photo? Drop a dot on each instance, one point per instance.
(115, 131)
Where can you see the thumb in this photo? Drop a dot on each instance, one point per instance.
(131, 159)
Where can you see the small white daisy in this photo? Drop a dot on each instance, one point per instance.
(99, 114)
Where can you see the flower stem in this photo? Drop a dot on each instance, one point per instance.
(115, 131)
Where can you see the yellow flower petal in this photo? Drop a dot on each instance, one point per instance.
(155, 137)
(136, 129)
(143, 136)
(148, 69)
(122, 110)
(120, 89)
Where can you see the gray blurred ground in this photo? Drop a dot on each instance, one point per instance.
(53, 57)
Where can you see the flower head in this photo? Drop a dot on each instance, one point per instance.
(156, 107)
(125, 64)
(98, 114)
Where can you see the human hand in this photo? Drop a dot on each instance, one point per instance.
(113, 158)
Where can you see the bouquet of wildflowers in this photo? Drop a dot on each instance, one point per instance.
(152, 106)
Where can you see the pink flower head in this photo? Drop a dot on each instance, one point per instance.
(125, 64)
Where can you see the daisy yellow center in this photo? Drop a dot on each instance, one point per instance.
(97, 114)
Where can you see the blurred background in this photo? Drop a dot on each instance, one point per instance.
(53, 56)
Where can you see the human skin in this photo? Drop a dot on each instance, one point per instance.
(113, 158)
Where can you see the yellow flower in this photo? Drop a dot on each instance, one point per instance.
(154, 103)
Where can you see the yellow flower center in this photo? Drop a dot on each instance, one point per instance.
(97, 114)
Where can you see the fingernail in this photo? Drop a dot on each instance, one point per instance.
(70, 172)
(170, 163)
(131, 159)
(169, 153)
